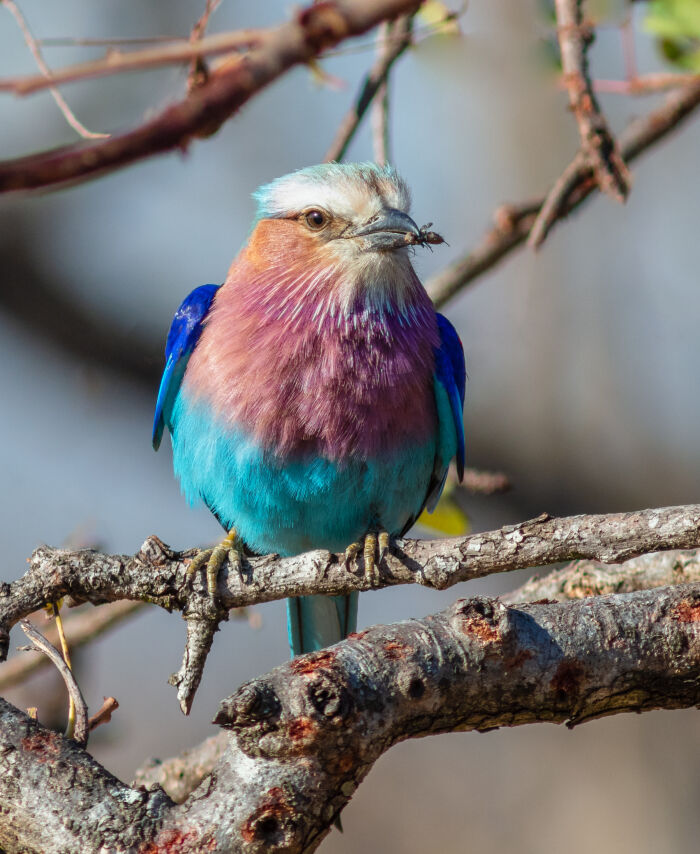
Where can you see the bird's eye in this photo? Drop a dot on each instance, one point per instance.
(316, 219)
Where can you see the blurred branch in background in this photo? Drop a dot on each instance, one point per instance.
(598, 146)
(81, 629)
(46, 73)
(390, 48)
(514, 223)
(311, 31)
(61, 319)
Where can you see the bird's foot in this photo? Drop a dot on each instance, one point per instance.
(374, 547)
(230, 547)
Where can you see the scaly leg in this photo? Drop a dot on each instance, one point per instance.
(374, 548)
(231, 546)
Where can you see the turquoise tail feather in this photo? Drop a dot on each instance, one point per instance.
(314, 622)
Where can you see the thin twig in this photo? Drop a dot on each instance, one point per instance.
(555, 201)
(646, 84)
(597, 142)
(31, 43)
(104, 713)
(120, 62)
(380, 105)
(514, 222)
(485, 482)
(309, 33)
(400, 40)
(39, 642)
(65, 652)
(199, 71)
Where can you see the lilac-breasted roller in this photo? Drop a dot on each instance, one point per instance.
(315, 398)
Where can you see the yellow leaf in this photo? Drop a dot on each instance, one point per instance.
(448, 518)
(439, 18)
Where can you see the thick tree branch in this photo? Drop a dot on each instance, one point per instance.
(305, 735)
(312, 30)
(181, 774)
(159, 575)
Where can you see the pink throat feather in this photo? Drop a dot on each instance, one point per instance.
(303, 370)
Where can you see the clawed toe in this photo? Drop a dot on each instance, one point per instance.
(230, 547)
(374, 547)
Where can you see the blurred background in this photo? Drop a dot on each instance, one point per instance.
(582, 364)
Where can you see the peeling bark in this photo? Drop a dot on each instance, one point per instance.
(305, 735)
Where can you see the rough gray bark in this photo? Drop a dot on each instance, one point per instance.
(584, 578)
(305, 735)
(159, 575)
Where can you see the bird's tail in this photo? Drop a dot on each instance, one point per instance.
(314, 622)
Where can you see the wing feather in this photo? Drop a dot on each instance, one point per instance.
(184, 333)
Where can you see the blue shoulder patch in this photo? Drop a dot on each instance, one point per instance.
(451, 372)
(182, 338)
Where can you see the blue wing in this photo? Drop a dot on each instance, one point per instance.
(182, 338)
(450, 384)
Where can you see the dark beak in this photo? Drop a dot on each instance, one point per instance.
(389, 229)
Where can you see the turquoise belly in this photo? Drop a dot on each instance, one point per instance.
(294, 506)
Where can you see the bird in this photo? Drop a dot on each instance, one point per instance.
(315, 398)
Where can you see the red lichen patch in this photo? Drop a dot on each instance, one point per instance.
(687, 612)
(568, 677)
(178, 841)
(301, 729)
(356, 635)
(394, 650)
(44, 744)
(268, 821)
(480, 628)
(308, 664)
(518, 659)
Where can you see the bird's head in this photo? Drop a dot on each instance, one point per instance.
(351, 220)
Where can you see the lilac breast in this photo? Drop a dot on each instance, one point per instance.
(285, 362)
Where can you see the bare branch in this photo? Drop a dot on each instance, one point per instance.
(369, 88)
(159, 575)
(485, 482)
(104, 714)
(306, 734)
(514, 222)
(646, 84)
(46, 75)
(310, 32)
(584, 578)
(597, 142)
(181, 774)
(120, 62)
(80, 730)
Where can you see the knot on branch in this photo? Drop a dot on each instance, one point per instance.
(274, 825)
(255, 704)
(483, 619)
(324, 26)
